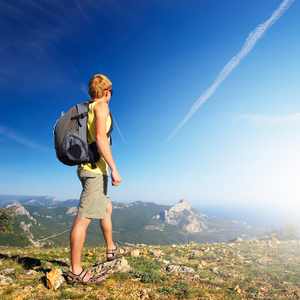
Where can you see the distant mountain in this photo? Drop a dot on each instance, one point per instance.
(69, 203)
(184, 216)
(36, 200)
(134, 223)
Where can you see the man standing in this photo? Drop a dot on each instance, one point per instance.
(94, 200)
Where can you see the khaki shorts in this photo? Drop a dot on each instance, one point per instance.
(94, 195)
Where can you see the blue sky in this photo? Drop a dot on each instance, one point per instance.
(241, 146)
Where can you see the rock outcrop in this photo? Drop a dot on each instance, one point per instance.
(20, 210)
(72, 211)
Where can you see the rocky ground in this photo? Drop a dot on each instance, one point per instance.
(234, 270)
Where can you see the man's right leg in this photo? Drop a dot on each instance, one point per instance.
(77, 239)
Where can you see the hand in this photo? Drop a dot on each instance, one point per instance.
(115, 178)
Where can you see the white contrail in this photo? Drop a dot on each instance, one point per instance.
(251, 40)
(119, 130)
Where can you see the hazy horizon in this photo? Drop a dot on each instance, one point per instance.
(255, 215)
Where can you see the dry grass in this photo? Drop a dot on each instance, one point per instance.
(244, 270)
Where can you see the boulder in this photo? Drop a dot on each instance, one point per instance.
(54, 279)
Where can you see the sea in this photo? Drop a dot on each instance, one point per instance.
(266, 216)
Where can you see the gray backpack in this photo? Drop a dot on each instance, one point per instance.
(70, 137)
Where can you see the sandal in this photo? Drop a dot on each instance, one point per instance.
(116, 253)
(79, 278)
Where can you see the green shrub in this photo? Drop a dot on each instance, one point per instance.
(166, 290)
(145, 264)
(6, 220)
(120, 276)
(288, 231)
(147, 277)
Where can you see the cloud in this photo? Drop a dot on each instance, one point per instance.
(17, 137)
(270, 120)
(250, 42)
(82, 11)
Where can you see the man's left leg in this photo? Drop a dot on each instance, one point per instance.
(106, 227)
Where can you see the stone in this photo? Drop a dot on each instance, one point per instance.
(156, 253)
(145, 294)
(179, 269)
(7, 271)
(203, 263)
(197, 253)
(236, 240)
(54, 279)
(32, 273)
(5, 280)
(135, 253)
(240, 257)
(275, 241)
(237, 289)
(111, 267)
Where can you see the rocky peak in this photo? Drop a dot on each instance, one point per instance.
(182, 205)
(181, 214)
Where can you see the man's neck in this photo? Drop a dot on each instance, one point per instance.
(102, 99)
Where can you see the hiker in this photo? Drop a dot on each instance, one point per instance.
(94, 201)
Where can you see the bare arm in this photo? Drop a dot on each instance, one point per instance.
(101, 113)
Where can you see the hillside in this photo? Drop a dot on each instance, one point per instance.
(235, 270)
(134, 223)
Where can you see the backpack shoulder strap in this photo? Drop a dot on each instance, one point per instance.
(111, 127)
(82, 111)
